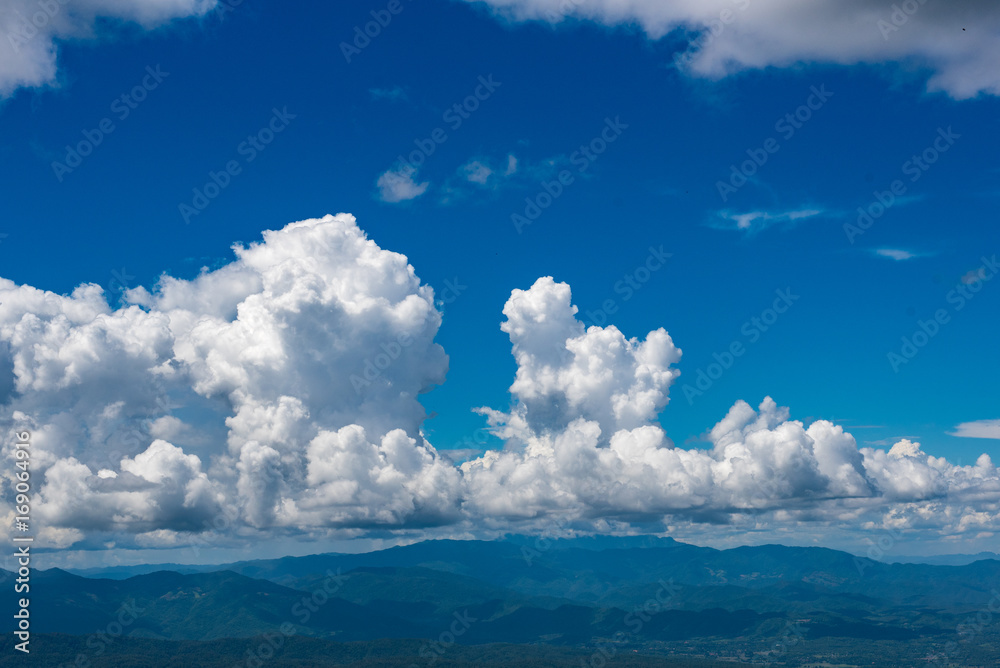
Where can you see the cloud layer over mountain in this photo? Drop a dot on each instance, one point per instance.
(277, 395)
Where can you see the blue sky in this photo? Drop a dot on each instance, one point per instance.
(117, 217)
(657, 186)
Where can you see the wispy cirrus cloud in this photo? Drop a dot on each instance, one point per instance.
(977, 429)
(974, 276)
(505, 170)
(477, 176)
(755, 222)
(486, 174)
(392, 94)
(897, 254)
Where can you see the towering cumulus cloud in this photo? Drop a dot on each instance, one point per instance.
(241, 393)
(957, 42)
(583, 444)
(277, 395)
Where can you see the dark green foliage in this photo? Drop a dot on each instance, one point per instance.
(51, 651)
(583, 602)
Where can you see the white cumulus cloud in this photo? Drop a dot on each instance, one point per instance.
(31, 31)
(957, 43)
(308, 332)
(400, 184)
(476, 172)
(277, 395)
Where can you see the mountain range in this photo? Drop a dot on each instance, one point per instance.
(636, 597)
